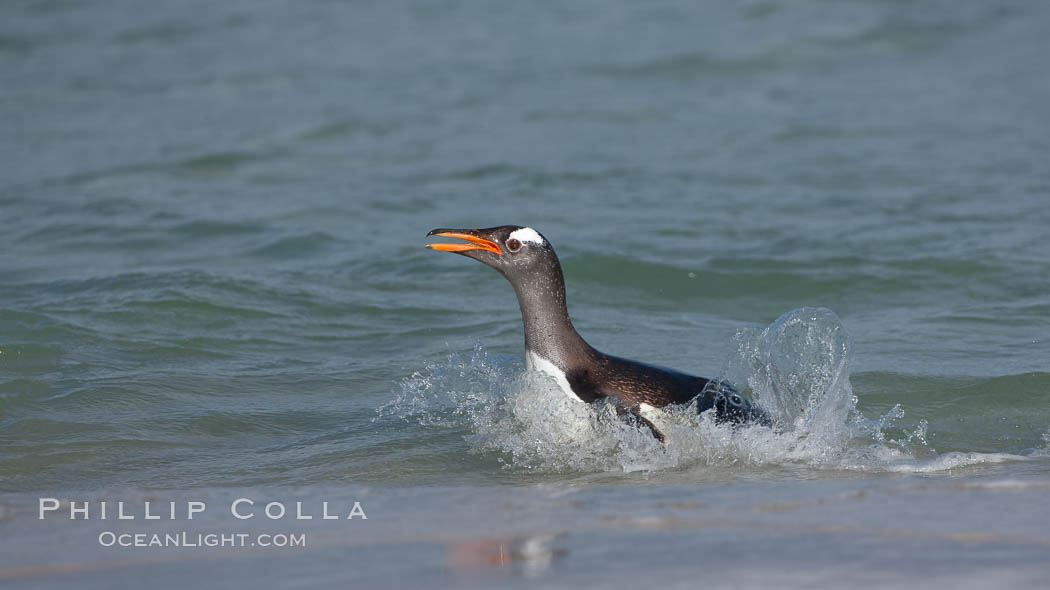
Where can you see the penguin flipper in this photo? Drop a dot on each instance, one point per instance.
(633, 415)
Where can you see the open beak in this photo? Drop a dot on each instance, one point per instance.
(476, 242)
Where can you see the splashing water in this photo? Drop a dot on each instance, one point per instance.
(522, 415)
(797, 368)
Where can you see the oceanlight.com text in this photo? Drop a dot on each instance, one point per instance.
(189, 540)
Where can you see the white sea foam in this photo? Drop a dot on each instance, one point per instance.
(797, 368)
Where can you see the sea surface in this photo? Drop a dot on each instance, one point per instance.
(213, 285)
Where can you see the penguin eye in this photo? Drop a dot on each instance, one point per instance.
(736, 400)
(513, 245)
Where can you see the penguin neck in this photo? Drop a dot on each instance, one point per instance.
(549, 333)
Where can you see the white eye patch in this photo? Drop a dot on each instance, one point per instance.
(527, 234)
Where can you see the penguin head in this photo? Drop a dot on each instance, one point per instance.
(519, 253)
(732, 407)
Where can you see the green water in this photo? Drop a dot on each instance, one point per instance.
(212, 229)
(212, 221)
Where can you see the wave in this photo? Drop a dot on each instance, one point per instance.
(798, 368)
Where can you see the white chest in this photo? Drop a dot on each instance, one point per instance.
(535, 362)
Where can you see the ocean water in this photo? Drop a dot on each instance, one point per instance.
(213, 285)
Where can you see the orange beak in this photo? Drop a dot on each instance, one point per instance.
(476, 243)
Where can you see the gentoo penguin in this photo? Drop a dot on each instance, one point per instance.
(553, 346)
